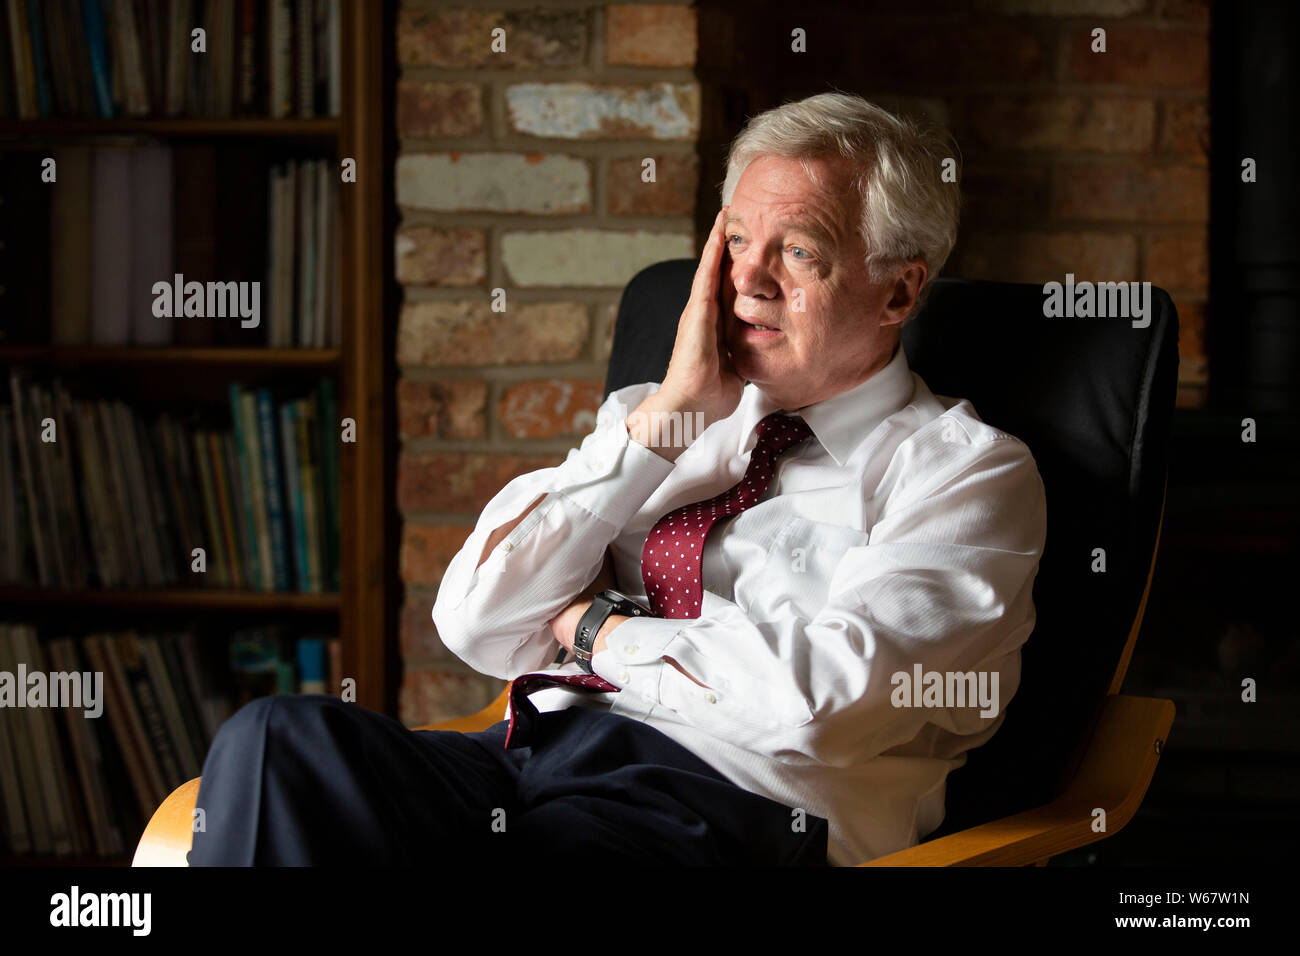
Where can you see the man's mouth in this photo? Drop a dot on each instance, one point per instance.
(757, 325)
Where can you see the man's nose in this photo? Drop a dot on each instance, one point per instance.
(753, 278)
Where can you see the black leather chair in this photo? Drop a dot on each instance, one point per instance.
(1093, 399)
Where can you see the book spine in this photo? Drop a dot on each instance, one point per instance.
(329, 445)
(121, 720)
(307, 468)
(11, 789)
(97, 39)
(257, 467)
(169, 705)
(151, 716)
(49, 761)
(274, 490)
(26, 456)
(215, 556)
(293, 492)
(40, 65)
(246, 476)
(28, 756)
(224, 511)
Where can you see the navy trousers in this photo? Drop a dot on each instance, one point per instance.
(311, 780)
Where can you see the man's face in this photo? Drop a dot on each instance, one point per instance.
(796, 263)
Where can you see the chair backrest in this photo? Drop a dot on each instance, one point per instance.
(1093, 399)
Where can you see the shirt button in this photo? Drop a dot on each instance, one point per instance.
(710, 698)
(507, 546)
(630, 650)
(623, 676)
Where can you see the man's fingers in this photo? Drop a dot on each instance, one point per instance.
(706, 285)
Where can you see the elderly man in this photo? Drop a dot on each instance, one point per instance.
(757, 625)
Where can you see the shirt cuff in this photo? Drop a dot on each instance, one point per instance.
(633, 654)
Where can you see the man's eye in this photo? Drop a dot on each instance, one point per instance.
(729, 238)
(806, 253)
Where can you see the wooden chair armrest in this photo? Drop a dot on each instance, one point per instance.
(170, 832)
(1115, 773)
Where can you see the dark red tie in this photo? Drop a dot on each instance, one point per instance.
(671, 561)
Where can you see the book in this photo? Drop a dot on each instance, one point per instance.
(70, 247)
(274, 493)
(150, 242)
(111, 212)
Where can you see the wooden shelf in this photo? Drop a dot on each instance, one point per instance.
(170, 355)
(327, 127)
(174, 599)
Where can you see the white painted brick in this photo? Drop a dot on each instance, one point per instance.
(493, 182)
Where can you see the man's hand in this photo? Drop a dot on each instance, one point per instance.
(701, 376)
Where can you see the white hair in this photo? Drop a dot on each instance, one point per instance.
(908, 211)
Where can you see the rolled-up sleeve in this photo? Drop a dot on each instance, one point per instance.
(495, 616)
(944, 582)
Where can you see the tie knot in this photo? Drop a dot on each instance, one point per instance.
(779, 431)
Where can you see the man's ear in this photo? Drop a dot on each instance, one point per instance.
(908, 281)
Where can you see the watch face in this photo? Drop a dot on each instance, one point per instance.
(617, 595)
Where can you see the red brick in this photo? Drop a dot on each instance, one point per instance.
(611, 319)
(470, 333)
(462, 39)
(671, 194)
(997, 196)
(1132, 193)
(1043, 257)
(1137, 56)
(1076, 123)
(438, 109)
(1194, 12)
(428, 549)
(547, 408)
(1191, 331)
(432, 696)
(441, 257)
(1178, 262)
(417, 636)
(1193, 366)
(460, 482)
(650, 34)
(944, 54)
(454, 408)
(1185, 130)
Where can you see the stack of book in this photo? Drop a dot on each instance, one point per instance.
(96, 731)
(217, 58)
(94, 495)
(193, 245)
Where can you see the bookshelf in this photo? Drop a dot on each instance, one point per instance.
(362, 611)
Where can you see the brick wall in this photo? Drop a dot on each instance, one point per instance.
(522, 171)
(1097, 163)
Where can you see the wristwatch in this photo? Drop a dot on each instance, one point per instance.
(602, 606)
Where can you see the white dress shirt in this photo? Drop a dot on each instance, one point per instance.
(906, 531)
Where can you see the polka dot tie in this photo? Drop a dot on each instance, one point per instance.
(673, 555)
(671, 563)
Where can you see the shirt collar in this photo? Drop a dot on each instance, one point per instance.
(842, 422)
